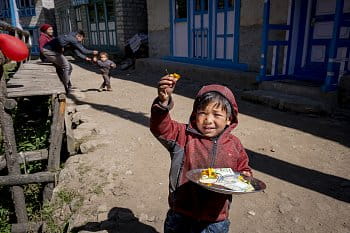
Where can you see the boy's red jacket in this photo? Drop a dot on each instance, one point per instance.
(189, 149)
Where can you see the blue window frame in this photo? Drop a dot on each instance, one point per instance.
(25, 8)
(201, 6)
(222, 5)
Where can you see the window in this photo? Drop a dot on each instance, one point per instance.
(4, 9)
(92, 16)
(201, 5)
(181, 9)
(25, 8)
(225, 4)
(78, 17)
(110, 10)
(221, 4)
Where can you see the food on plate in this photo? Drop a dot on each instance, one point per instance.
(208, 176)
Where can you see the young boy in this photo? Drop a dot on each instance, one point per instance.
(206, 141)
(105, 66)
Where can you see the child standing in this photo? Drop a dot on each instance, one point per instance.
(105, 66)
(206, 141)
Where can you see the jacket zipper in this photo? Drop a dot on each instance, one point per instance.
(215, 148)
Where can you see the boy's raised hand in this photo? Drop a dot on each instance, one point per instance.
(166, 87)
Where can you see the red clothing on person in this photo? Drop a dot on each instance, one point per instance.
(190, 149)
(43, 39)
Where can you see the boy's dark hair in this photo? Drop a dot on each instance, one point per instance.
(203, 101)
(81, 32)
(103, 54)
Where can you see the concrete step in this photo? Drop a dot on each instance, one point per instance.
(286, 102)
(304, 89)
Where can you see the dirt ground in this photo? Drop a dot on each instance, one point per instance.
(304, 161)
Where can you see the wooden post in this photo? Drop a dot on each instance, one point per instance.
(12, 157)
(56, 135)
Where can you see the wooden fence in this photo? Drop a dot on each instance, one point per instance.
(31, 79)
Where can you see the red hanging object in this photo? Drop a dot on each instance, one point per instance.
(13, 48)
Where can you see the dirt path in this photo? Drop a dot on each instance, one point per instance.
(303, 160)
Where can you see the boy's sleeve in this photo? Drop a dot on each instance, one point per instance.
(243, 160)
(162, 126)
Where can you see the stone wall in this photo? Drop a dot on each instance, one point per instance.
(131, 19)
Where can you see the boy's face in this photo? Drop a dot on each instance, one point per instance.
(211, 120)
(103, 57)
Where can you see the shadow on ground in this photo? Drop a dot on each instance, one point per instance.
(120, 220)
(330, 185)
(321, 126)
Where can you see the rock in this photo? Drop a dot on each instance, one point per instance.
(284, 207)
(251, 212)
(151, 219)
(143, 217)
(92, 145)
(296, 219)
(129, 172)
(102, 208)
(89, 126)
(84, 118)
(80, 135)
(78, 108)
(76, 118)
(71, 109)
(272, 150)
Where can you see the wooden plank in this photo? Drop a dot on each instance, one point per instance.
(28, 156)
(11, 157)
(57, 131)
(26, 227)
(21, 179)
(34, 80)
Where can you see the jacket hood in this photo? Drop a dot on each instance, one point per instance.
(224, 91)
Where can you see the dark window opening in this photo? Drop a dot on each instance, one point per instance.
(181, 9)
(221, 4)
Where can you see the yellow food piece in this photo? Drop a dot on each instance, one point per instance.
(177, 76)
(209, 173)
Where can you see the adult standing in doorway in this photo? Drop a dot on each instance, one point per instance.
(54, 49)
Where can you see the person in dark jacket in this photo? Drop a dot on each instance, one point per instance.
(105, 67)
(46, 35)
(53, 51)
(206, 141)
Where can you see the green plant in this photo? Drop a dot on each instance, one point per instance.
(5, 227)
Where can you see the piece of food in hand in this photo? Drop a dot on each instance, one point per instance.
(208, 176)
(177, 76)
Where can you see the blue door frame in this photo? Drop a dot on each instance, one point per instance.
(210, 59)
(325, 73)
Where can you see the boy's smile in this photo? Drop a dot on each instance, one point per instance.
(212, 120)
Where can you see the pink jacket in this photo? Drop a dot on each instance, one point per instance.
(43, 39)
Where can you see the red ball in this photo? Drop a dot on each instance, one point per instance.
(13, 48)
